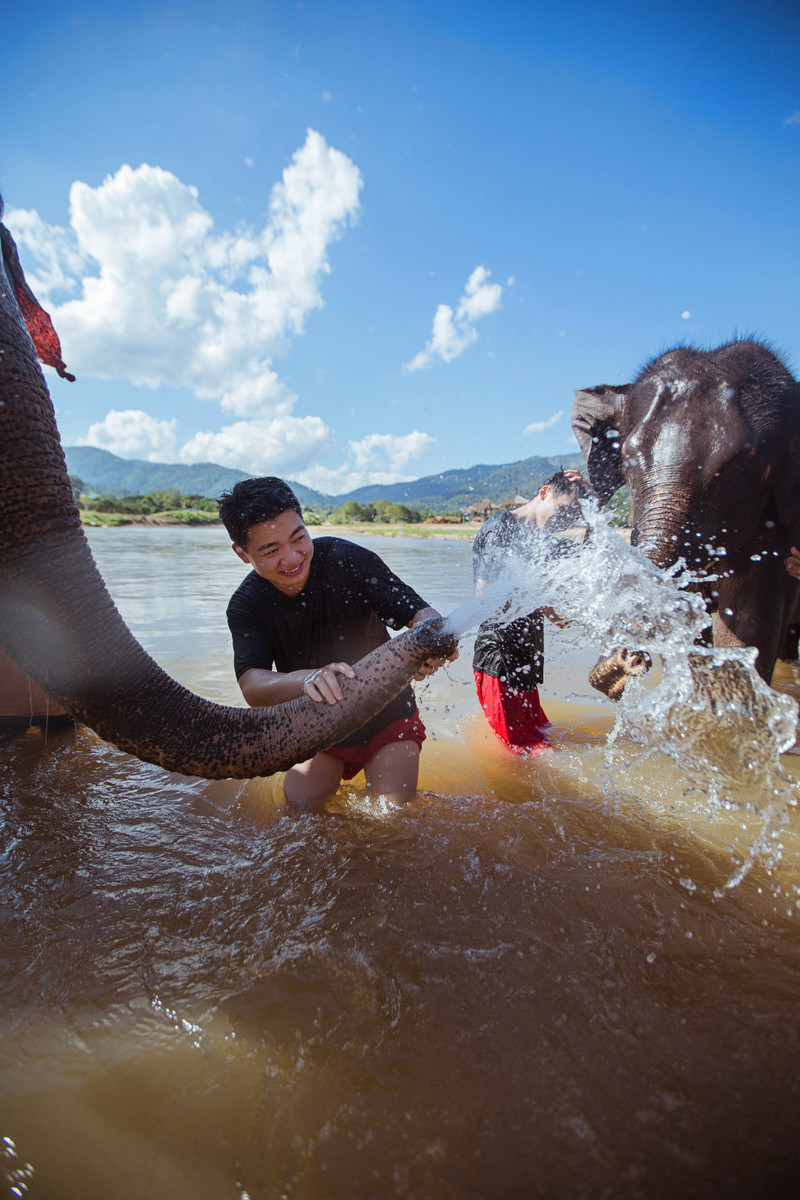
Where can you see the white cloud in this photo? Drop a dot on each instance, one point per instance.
(454, 332)
(280, 445)
(794, 119)
(59, 259)
(133, 434)
(378, 458)
(159, 297)
(540, 426)
(151, 292)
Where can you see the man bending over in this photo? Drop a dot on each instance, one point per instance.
(508, 662)
(304, 614)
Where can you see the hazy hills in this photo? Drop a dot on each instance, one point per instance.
(106, 474)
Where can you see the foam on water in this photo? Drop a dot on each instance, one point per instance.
(709, 711)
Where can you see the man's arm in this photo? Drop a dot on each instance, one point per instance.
(423, 615)
(262, 688)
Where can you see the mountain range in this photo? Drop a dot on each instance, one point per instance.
(103, 473)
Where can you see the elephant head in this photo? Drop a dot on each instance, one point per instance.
(59, 624)
(708, 443)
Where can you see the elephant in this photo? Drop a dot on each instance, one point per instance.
(708, 442)
(59, 624)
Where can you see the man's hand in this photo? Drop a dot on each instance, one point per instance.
(323, 684)
(432, 665)
(575, 477)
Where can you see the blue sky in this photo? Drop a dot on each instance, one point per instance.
(361, 242)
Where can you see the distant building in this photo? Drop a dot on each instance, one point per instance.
(480, 510)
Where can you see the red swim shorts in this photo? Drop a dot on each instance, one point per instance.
(516, 716)
(355, 758)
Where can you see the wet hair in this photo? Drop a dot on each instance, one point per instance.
(562, 485)
(251, 501)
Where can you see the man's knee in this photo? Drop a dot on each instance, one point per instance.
(309, 784)
(393, 770)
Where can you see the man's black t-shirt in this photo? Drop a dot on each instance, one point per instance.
(340, 615)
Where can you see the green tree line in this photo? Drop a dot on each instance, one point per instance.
(378, 512)
(165, 500)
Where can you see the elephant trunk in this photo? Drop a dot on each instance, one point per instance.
(663, 524)
(66, 633)
(59, 623)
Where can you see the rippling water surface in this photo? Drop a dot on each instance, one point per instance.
(533, 981)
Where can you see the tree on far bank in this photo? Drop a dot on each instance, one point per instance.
(352, 513)
(618, 509)
(166, 500)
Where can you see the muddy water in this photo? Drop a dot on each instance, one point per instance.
(531, 982)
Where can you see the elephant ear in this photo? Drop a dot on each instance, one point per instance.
(40, 327)
(597, 415)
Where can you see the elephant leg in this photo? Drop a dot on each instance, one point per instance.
(790, 646)
(791, 643)
(754, 609)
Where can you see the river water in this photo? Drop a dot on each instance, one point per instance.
(533, 981)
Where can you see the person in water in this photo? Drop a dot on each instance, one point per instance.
(508, 661)
(304, 614)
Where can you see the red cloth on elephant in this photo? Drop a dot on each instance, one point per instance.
(40, 327)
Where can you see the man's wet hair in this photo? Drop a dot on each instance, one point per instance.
(562, 485)
(251, 501)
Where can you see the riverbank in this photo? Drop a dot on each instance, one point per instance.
(429, 530)
(179, 518)
(188, 517)
(425, 529)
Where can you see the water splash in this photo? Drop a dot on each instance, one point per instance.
(710, 711)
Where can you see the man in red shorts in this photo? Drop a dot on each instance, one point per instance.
(508, 661)
(304, 614)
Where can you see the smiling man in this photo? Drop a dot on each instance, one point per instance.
(306, 612)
